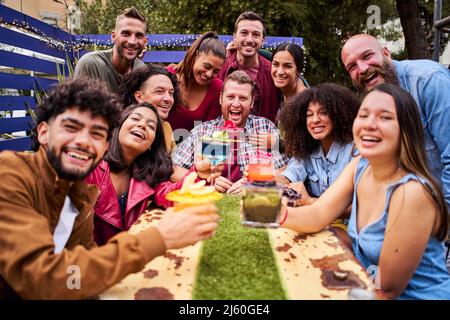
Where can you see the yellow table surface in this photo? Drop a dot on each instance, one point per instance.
(303, 260)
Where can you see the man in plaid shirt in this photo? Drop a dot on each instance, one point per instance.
(257, 135)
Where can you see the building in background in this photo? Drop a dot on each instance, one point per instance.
(63, 14)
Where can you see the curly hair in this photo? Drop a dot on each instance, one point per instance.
(134, 81)
(83, 93)
(339, 102)
(154, 165)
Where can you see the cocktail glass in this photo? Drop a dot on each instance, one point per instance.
(260, 168)
(261, 204)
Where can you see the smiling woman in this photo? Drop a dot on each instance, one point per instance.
(199, 85)
(287, 67)
(156, 85)
(134, 169)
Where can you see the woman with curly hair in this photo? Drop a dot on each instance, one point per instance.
(199, 85)
(317, 133)
(399, 218)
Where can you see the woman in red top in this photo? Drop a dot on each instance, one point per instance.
(135, 169)
(199, 85)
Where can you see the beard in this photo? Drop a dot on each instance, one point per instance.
(386, 71)
(64, 174)
(121, 53)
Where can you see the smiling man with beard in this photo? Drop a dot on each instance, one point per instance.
(236, 100)
(46, 210)
(110, 66)
(428, 82)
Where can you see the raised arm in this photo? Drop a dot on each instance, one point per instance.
(331, 204)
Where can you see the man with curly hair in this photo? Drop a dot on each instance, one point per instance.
(46, 209)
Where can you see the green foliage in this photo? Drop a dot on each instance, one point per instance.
(238, 262)
(324, 24)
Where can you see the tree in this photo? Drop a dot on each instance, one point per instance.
(416, 17)
(324, 24)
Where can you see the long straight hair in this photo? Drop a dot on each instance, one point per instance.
(207, 43)
(412, 155)
(152, 166)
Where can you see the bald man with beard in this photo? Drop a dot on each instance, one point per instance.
(428, 82)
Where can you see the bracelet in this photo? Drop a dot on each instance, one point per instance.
(285, 217)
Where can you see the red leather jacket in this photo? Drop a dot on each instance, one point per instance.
(108, 217)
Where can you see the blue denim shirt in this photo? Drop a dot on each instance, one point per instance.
(428, 82)
(319, 171)
(431, 279)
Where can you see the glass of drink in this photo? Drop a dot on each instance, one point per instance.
(261, 204)
(260, 168)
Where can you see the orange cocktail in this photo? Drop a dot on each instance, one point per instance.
(260, 168)
(193, 193)
(260, 172)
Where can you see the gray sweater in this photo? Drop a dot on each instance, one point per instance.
(98, 65)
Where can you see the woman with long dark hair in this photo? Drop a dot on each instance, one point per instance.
(199, 85)
(287, 68)
(135, 169)
(399, 216)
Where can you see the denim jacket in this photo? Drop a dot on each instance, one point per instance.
(428, 82)
(318, 171)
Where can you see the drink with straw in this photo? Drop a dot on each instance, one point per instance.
(216, 146)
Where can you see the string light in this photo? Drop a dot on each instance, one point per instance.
(84, 42)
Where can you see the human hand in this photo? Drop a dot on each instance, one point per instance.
(231, 48)
(188, 226)
(208, 171)
(222, 184)
(305, 199)
(236, 188)
(262, 141)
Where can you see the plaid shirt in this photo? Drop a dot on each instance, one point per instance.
(191, 146)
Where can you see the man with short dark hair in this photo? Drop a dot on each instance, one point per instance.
(46, 209)
(248, 37)
(428, 82)
(236, 100)
(111, 65)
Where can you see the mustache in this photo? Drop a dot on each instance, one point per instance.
(386, 71)
(371, 72)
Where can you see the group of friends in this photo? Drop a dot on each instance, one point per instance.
(112, 142)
